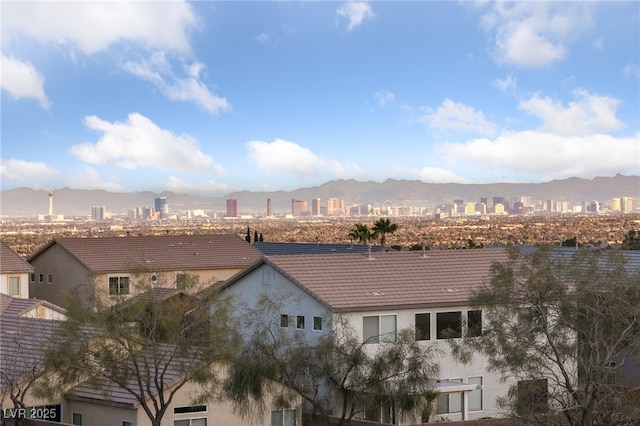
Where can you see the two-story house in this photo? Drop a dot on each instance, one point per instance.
(112, 263)
(14, 273)
(379, 294)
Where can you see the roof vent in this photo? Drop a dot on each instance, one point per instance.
(451, 290)
(376, 293)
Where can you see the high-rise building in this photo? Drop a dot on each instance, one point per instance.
(98, 213)
(316, 207)
(299, 207)
(335, 207)
(161, 207)
(626, 204)
(268, 207)
(232, 207)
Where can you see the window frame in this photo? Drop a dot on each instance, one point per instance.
(420, 337)
(19, 289)
(49, 278)
(476, 329)
(73, 418)
(440, 331)
(300, 322)
(119, 284)
(317, 323)
(450, 396)
(378, 338)
(479, 391)
(283, 411)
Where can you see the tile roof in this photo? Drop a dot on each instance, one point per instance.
(23, 342)
(159, 253)
(274, 249)
(389, 280)
(11, 262)
(16, 306)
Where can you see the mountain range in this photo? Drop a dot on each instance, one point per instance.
(26, 202)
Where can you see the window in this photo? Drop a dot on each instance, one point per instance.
(181, 281)
(474, 323)
(41, 312)
(50, 279)
(32, 277)
(475, 396)
(285, 320)
(448, 403)
(377, 329)
(423, 326)
(40, 278)
(13, 286)
(317, 323)
(190, 409)
(300, 322)
(534, 316)
(118, 285)
(284, 417)
(76, 419)
(448, 325)
(127, 423)
(190, 422)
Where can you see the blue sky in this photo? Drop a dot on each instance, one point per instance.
(212, 97)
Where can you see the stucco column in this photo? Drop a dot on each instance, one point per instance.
(465, 405)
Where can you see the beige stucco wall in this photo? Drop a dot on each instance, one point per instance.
(24, 284)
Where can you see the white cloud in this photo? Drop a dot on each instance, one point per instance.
(22, 80)
(384, 97)
(89, 178)
(437, 175)
(549, 155)
(190, 87)
(535, 34)
(138, 142)
(288, 157)
(588, 114)
(355, 13)
(94, 26)
(459, 117)
(631, 70)
(20, 170)
(509, 84)
(183, 186)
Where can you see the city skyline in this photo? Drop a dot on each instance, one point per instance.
(214, 97)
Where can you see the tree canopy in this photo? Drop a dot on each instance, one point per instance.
(382, 227)
(150, 345)
(335, 375)
(566, 327)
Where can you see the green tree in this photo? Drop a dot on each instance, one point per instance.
(150, 345)
(562, 325)
(362, 233)
(336, 375)
(631, 240)
(383, 227)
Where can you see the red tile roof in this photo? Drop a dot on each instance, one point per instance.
(390, 280)
(11, 262)
(159, 253)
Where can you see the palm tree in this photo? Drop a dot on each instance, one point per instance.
(362, 233)
(383, 227)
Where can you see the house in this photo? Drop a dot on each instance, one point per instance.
(30, 308)
(66, 264)
(14, 273)
(379, 294)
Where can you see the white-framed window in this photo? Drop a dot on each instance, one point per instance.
(118, 285)
(317, 323)
(449, 403)
(127, 423)
(76, 419)
(286, 320)
(300, 322)
(474, 323)
(448, 325)
(202, 421)
(13, 285)
(379, 328)
(475, 396)
(423, 326)
(283, 417)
